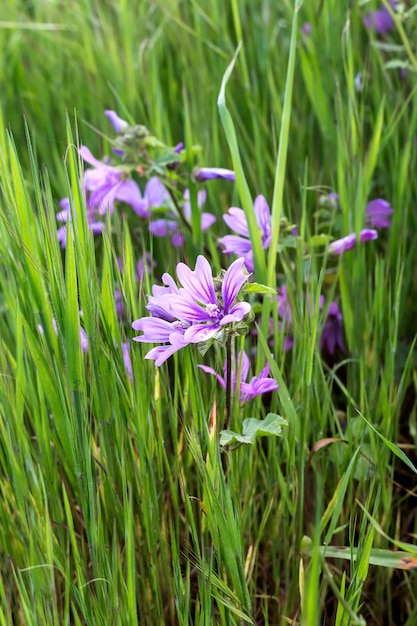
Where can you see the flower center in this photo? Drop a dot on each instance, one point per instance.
(213, 311)
(179, 326)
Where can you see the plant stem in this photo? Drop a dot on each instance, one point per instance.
(229, 390)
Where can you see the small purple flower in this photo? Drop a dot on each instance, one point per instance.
(306, 29)
(380, 20)
(378, 213)
(126, 359)
(332, 334)
(201, 174)
(95, 226)
(107, 183)
(194, 312)
(346, 243)
(236, 220)
(118, 124)
(257, 386)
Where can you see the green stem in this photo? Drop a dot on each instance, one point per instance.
(229, 390)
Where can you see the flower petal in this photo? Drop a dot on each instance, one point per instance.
(198, 283)
(233, 281)
(210, 370)
(233, 244)
(236, 220)
(118, 124)
(128, 191)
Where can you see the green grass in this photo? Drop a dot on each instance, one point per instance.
(118, 505)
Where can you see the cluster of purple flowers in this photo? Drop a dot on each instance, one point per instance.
(105, 183)
(200, 309)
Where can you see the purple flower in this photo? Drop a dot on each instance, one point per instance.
(107, 183)
(164, 227)
(95, 226)
(332, 334)
(198, 304)
(380, 20)
(346, 243)
(194, 312)
(306, 29)
(118, 124)
(202, 174)
(126, 360)
(236, 220)
(258, 384)
(378, 213)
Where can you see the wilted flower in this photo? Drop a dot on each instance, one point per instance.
(195, 312)
(258, 384)
(118, 124)
(201, 174)
(346, 243)
(107, 183)
(236, 220)
(378, 213)
(381, 20)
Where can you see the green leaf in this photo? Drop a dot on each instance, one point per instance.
(253, 428)
(258, 288)
(377, 556)
(395, 449)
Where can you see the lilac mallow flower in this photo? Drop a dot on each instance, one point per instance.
(381, 20)
(201, 174)
(378, 213)
(346, 243)
(241, 244)
(258, 384)
(332, 333)
(164, 227)
(194, 312)
(106, 184)
(94, 225)
(119, 125)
